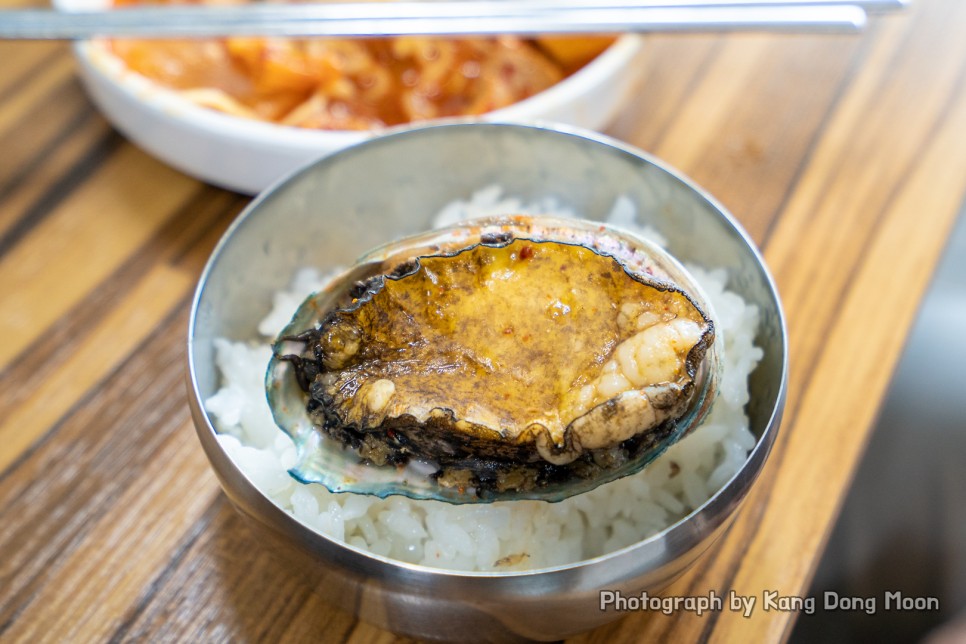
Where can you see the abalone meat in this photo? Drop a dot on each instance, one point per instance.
(522, 357)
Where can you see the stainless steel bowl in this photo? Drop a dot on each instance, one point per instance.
(331, 212)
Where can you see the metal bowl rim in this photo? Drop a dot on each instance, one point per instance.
(713, 507)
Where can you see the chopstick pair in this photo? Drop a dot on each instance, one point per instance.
(459, 18)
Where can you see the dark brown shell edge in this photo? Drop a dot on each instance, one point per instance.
(393, 441)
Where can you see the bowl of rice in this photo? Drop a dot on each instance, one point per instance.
(242, 112)
(506, 570)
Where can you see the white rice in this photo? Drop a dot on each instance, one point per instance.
(504, 535)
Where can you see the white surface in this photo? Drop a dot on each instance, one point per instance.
(248, 156)
(476, 536)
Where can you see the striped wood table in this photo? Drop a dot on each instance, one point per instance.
(845, 157)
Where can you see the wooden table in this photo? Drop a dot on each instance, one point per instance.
(845, 157)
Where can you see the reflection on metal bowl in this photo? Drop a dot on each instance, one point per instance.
(330, 213)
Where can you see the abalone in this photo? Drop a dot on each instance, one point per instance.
(518, 360)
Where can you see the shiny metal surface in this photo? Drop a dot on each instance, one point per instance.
(334, 210)
(451, 18)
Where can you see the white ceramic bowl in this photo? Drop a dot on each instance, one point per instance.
(248, 156)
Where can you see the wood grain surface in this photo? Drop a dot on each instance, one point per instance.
(845, 158)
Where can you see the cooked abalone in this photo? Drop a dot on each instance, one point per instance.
(513, 361)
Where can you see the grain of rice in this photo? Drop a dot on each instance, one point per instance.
(504, 535)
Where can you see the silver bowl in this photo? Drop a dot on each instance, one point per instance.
(334, 210)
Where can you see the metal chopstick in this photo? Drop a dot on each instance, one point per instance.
(445, 18)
